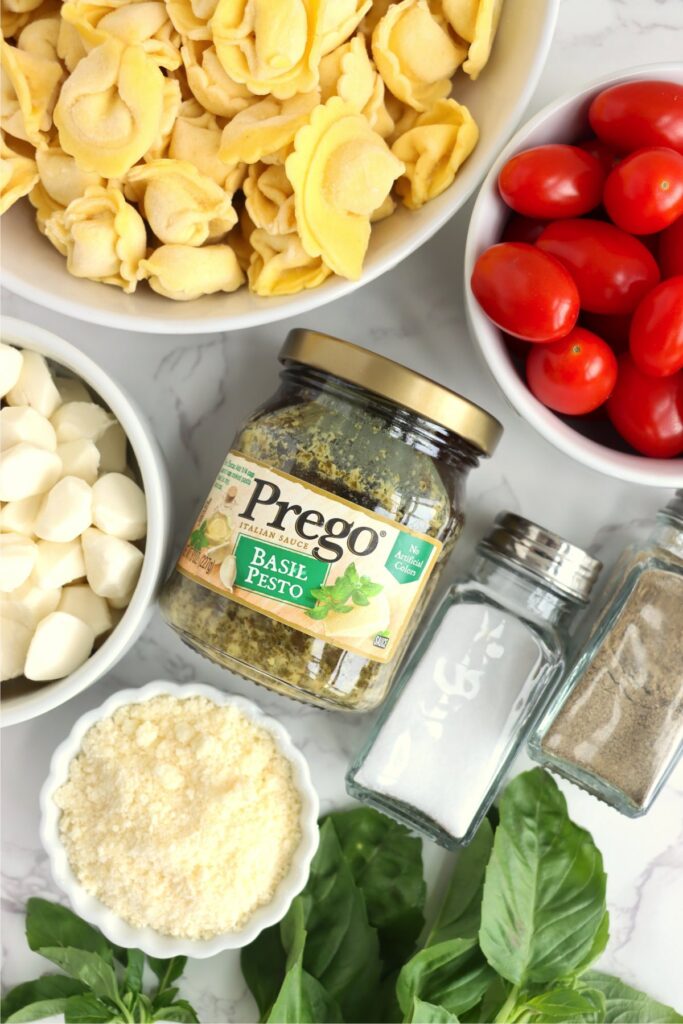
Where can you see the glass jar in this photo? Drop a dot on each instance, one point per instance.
(328, 525)
(471, 690)
(616, 725)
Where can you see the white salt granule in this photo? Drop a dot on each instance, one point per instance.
(181, 815)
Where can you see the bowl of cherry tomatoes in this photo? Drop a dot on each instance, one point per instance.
(574, 274)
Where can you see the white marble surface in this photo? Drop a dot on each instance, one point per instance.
(196, 390)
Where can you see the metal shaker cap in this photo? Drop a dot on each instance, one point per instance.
(564, 566)
(674, 507)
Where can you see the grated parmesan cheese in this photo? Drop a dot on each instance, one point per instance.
(181, 815)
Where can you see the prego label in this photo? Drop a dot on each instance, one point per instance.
(309, 559)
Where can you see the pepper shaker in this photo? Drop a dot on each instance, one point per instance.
(616, 725)
(469, 694)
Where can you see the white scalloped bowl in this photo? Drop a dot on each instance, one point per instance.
(20, 702)
(33, 269)
(149, 941)
(561, 121)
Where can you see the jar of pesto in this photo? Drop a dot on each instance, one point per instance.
(312, 558)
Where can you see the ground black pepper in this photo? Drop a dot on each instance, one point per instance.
(622, 722)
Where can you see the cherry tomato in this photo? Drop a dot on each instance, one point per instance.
(525, 292)
(523, 229)
(644, 193)
(637, 114)
(608, 157)
(671, 249)
(612, 270)
(573, 375)
(656, 335)
(612, 329)
(552, 181)
(648, 411)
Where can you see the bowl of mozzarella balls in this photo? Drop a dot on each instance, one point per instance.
(84, 521)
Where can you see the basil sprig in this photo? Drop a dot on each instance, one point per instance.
(523, 919)
(101, 982)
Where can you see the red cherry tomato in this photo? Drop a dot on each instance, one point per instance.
(612, 270)
(637, 114)
(552, 181)
(671, 249)
(523, 229)
(573, 375)
(644, 193)
(612, 329)
(608, 157)
(525, 292)
(648, 411)
(656, 335)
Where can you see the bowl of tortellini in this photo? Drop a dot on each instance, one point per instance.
(249, 159)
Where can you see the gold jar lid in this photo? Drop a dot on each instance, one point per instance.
(405, 388)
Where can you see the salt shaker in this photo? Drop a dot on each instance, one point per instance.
(469, 694)
(616, 725)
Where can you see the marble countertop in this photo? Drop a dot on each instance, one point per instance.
(196, 390)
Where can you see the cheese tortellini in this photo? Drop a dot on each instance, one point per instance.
(102, 235)
(342, 171)
(433, 150)
(193, 146)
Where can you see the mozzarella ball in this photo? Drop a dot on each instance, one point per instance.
(20, 516)
(31, 603)
(26, 470)
(112, 565)
(22, 423)
(71, 389)
(16, 638)
(60, 645)
(66, 510)
(82, 601)
(35, 386)
(58, 564)
(17, 558)
(119, 507)
(75, 420)
(113, 448)
(10, 367)
(80, 458)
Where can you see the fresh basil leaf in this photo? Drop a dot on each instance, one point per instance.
(164, 998)
(38, 1011)
(49, 924)
(179, 1011)
(563, 1006)
(493, 1001)
(372, 589)
(626, 1005)
(342, 948)
(598, 946)
(360, 598)
(167, 970)
(544, 893)
(428, 1013)
(451, 974)
(460, 914)
(303, 1000)
(264, 966)
(135, 965)
(386, 863)
(49, 986)
(87, 967)
(87, 1009)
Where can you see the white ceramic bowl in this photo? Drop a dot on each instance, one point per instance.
(565, 120)
(146, 939)
(20, 703)
(32, 268)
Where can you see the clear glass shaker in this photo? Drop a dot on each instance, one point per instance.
(616, 725)
(469, 694)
